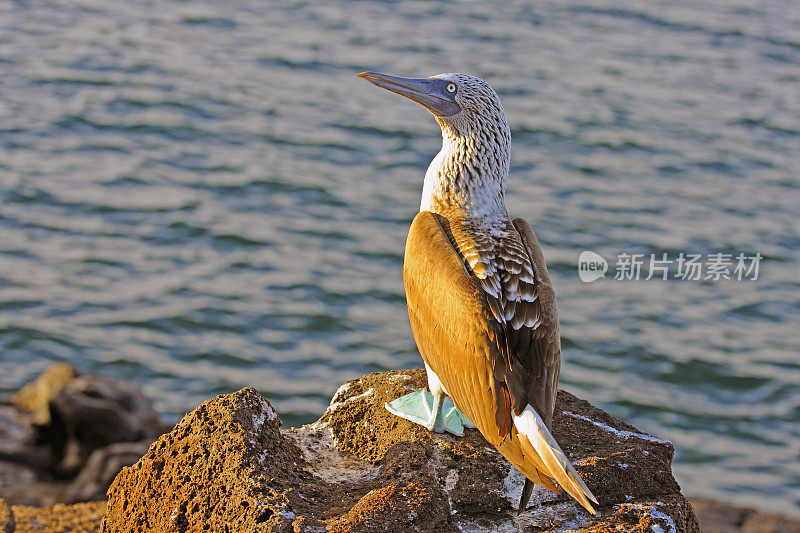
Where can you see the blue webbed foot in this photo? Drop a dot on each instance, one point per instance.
(438, 414)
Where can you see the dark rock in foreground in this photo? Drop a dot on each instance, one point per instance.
(227, 466)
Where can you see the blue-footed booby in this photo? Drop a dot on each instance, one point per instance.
(482, 308)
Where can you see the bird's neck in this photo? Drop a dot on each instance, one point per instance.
(468, 176)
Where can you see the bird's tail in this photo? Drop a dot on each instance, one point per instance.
(541, 449)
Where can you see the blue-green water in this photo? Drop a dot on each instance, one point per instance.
(200, 196)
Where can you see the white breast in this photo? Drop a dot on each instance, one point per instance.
(431, 180)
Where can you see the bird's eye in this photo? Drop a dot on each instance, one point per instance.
(451, 87)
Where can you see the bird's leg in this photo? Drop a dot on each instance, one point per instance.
(437, 407)
(436, 412)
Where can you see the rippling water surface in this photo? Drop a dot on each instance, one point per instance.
(199, 196)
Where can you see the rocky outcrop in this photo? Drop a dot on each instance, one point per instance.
(356, 469)
(20, 456)
(227, 466)
(53, 426)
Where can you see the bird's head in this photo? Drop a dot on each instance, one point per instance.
(460, 102)
(471, 170)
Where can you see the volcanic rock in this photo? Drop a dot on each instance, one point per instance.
(224, 467)
(18, 440)
(227, 466)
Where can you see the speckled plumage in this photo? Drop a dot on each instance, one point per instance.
(479, 297)
(471, 170)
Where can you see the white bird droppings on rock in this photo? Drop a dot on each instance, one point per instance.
(319, 449)
(512, 490)
(653, 511)
(336, 405)
(267, 414)
(619, 432)
(341, 391)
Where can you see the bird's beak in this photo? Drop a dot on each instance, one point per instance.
(431, 93)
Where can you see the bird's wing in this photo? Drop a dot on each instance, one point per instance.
(531, 316)
(452, 322)
(489, 330)
(502, 306)
(510, 270)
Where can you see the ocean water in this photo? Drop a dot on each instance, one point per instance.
(201, 196)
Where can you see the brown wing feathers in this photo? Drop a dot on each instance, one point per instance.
(451, 320)
(527, 347)
(516, 321)
(484, 321)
